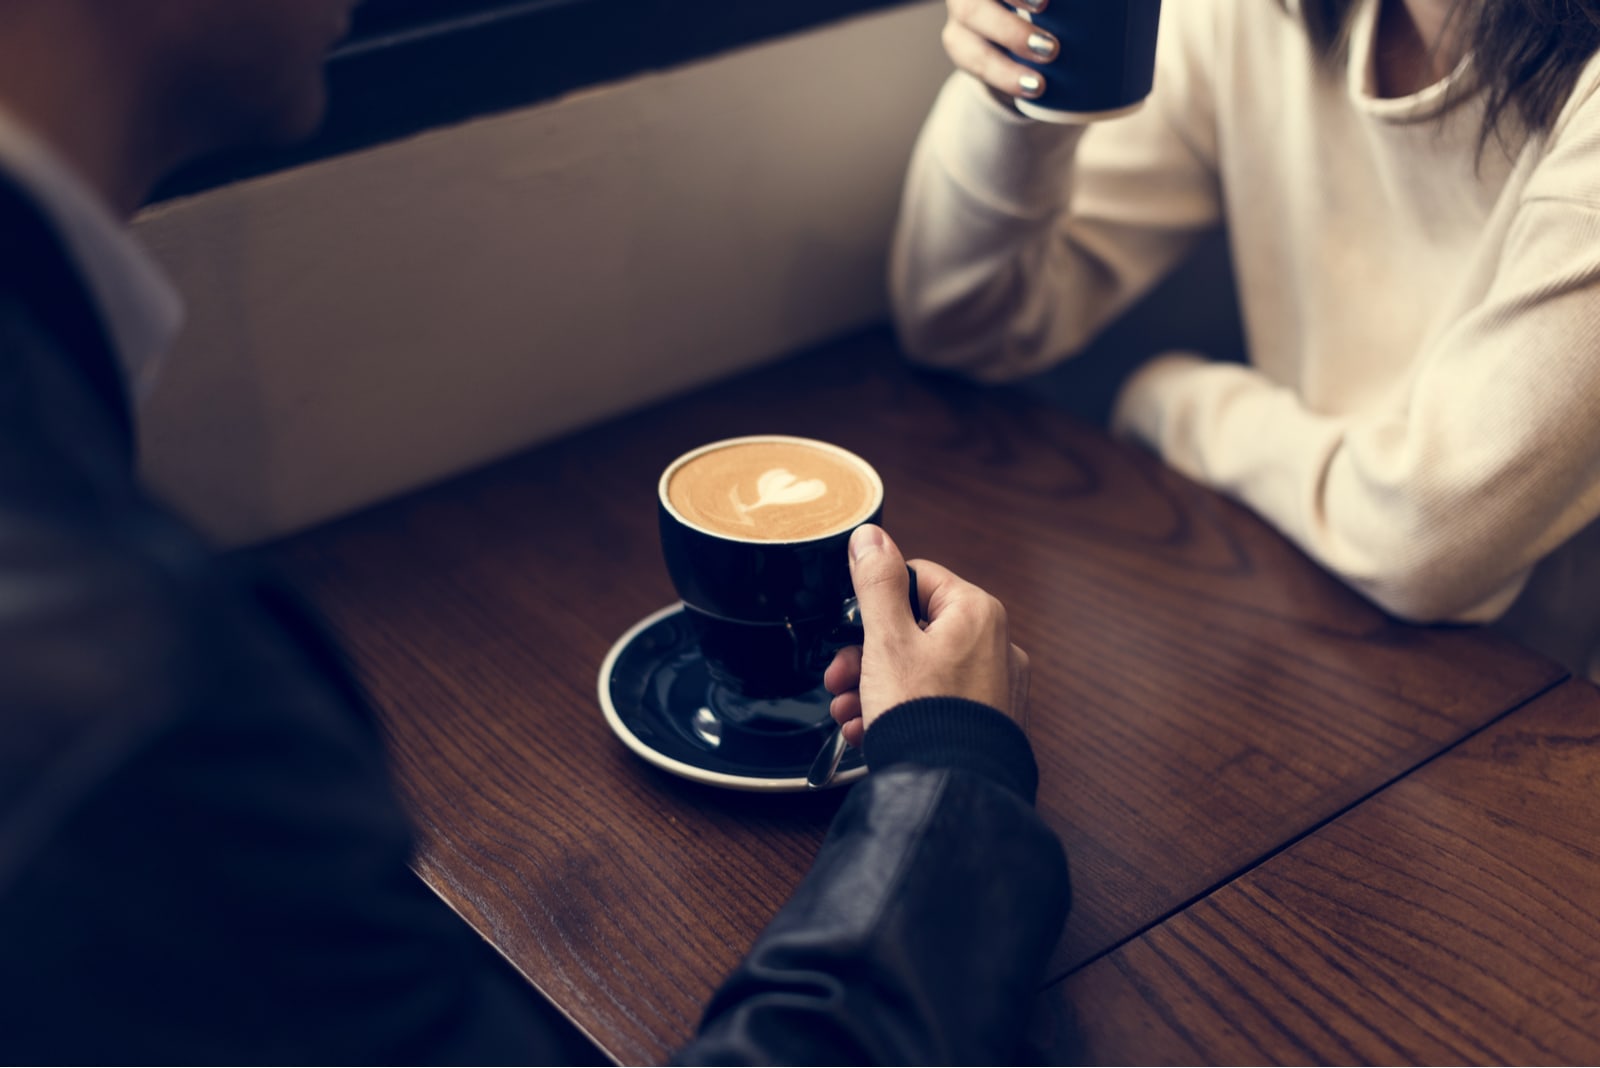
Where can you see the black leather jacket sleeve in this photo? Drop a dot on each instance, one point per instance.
(921, 932)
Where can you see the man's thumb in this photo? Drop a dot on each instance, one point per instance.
(878, 571)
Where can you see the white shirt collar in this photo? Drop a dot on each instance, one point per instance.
(140, 306)
(1362, 76)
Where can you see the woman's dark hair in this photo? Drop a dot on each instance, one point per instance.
(1527, 54)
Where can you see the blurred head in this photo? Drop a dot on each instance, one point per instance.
(128, 90)
(221, 73)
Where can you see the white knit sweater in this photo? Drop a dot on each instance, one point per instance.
(1422, 409)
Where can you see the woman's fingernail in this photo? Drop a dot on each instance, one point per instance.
(1030, 84)
(1042, 45)
(867, 539)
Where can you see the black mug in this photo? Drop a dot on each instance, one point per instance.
(771, 602)
(1106, 63)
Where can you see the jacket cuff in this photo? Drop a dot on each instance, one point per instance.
(952, 732)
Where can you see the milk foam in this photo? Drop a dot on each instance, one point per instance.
(773, 489)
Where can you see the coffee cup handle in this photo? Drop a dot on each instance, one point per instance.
(849, 630)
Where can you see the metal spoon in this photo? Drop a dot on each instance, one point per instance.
(827, 762)
(826, 765)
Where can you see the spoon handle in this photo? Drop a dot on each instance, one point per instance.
(827, 762)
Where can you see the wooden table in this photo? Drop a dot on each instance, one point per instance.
(1215, 720)
(1451, 919)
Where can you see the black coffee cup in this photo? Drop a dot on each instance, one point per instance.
(1106, 64)
(769, 596)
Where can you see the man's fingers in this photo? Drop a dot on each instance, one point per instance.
(845, 707)
(878, 572)
(844, 674)
(854, 731)
(937, 587)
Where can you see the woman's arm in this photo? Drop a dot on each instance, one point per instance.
(1437, 505)
(1018, 240)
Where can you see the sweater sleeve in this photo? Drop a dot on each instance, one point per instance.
(1018, 240)
(1436, 504)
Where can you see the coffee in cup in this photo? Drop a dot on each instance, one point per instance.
(772, 489)
(755, 533)
(1106, 63)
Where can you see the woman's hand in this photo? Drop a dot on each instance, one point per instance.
(983, 37)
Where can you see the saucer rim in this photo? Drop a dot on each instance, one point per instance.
(748, 783)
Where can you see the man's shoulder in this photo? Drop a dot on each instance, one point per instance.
(49, 320)
(118, 621)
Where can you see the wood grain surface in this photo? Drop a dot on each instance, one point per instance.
(1202, 693)
(1452, 919)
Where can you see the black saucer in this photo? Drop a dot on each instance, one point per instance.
(658, 698)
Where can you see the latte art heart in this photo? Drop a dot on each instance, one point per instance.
(778, 486)
(773, 489)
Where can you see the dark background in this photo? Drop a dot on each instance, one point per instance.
(411, 65)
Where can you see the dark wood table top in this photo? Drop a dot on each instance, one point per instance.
(1202, 693)
(1453, 918)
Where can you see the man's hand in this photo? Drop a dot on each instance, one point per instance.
(962, 651)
